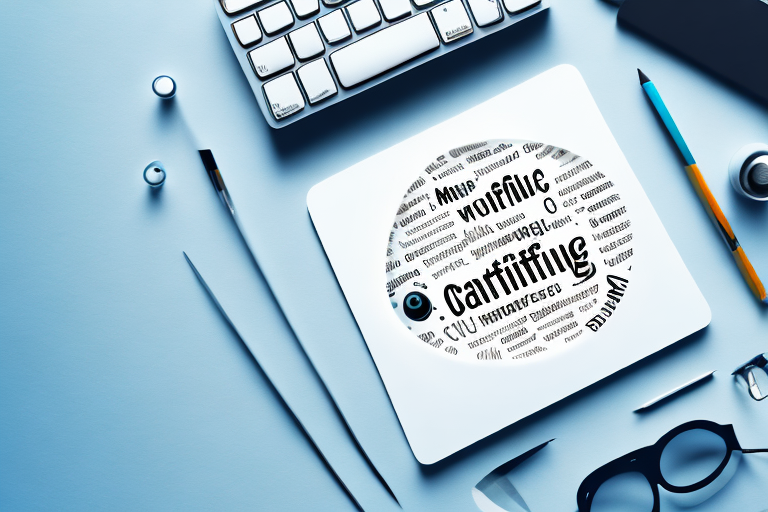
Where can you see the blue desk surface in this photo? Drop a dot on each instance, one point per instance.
(120, 386)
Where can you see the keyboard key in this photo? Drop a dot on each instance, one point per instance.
(271, 58)
(518, 6)
(424, 3)
(395, 9)
(317, 81)
(486, 12)
(236, 6)
(452, 21)
(283, 96)
(334, 27)
(247, 31)
(363, 15)
(306, 42)
(384, 50)
(305, 8)
(275, 18)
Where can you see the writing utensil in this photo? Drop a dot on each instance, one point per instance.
(271, 383)
(206, 155)
(679, 388)
(702, 190)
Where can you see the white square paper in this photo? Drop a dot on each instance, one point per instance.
(446, 403)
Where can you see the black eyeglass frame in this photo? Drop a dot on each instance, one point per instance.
(759, 361)
(647, 461)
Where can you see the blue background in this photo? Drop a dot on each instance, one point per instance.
(121, 388)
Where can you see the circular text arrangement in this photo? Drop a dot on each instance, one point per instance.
(504, 250)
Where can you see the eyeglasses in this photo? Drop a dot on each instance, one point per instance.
(692, 461)
(755, 374)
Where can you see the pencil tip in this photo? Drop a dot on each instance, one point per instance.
(643, 77)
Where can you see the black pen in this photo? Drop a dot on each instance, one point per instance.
(218, 182)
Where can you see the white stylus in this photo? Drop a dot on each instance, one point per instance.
(672, 392)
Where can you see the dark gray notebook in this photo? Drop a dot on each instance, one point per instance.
(726, 37)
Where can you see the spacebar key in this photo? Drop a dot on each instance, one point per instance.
(384, 50)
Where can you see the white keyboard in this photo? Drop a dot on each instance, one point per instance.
(301, 56)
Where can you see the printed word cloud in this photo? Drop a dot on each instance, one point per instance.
(508, 249)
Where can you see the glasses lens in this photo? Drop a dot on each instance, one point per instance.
(692, 456)
(757, 380)
(691, 499)
(627, 492)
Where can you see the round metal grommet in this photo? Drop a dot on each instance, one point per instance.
(164, 86)
(748, 171)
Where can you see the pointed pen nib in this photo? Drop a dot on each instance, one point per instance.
(643, 78)
(207, 157)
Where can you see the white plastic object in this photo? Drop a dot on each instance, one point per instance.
(276, 18)
(334, 27)
(384, 50)
(271, 58)
(164, 86)
(306, 42)
(363, 15)
(486, 12)
(284, 96)
(451, 20)
(316, 80)
(247, 31)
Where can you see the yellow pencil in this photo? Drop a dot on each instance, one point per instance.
(710, 204)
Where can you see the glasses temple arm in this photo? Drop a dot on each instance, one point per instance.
(755, 450)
